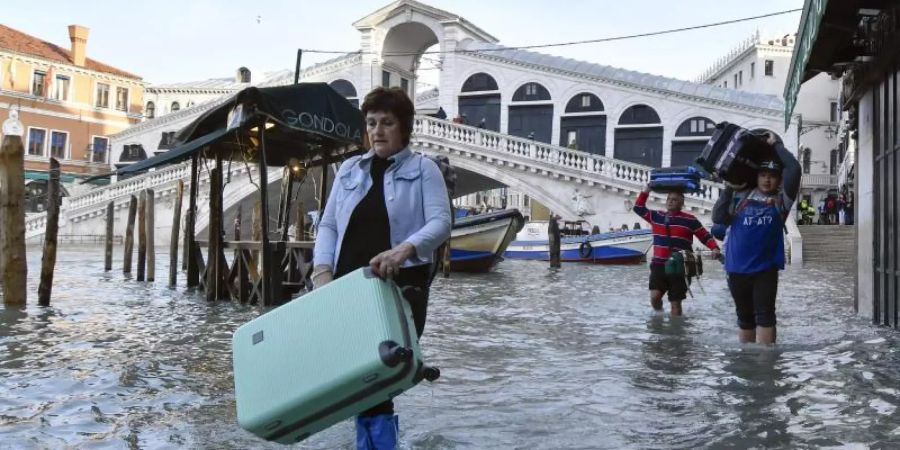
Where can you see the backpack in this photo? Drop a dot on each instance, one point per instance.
(829, 204)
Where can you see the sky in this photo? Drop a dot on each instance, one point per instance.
(167, 41)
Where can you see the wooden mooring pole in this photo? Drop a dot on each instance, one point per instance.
(151, 235)
(176, 226)
(142, 236)
(129, 236)
(553, 231)
(257, 230)
(190, 255)
(215, 278)
(48, 262)
(12, 211)
(110, 215)
(268, 264)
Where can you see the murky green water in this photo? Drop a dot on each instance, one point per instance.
(530, 359)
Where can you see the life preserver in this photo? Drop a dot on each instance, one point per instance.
(585, 250)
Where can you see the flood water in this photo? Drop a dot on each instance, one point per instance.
(531, 359)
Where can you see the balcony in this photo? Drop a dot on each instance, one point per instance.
(819, 180)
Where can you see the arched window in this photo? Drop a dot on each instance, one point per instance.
(696, 127)
(175, 107)
(639, 114)
(690, 139)
(835, 162)
(480, 82)
(479, 102)
(132, 153)
(583, 125)
(243, 75)
(586, 102)
(807, 159)
(533, 121)
(346, 89)
(530, 92)
(639, 136)
(150, 110)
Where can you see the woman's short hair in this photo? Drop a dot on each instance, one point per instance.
(395, 101)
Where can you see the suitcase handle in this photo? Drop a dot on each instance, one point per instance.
(392, 353)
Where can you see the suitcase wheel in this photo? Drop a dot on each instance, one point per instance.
(392, 353)
(431, 373)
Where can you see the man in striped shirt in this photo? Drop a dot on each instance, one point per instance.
(672, 229)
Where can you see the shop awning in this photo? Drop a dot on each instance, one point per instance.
(308, 122)
(824, 43)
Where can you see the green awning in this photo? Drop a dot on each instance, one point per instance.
(65, 177)
(810, 23)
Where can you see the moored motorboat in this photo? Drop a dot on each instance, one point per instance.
(615, 247)
(477, 242)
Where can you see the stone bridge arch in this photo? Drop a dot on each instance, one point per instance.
(530, 183)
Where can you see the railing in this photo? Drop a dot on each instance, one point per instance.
(484, 142)
(819, 180)
(634, 176)
(89, 202)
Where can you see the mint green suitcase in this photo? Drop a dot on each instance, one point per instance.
(325, 357)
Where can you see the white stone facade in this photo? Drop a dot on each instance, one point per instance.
(406, 26)
(761, 65)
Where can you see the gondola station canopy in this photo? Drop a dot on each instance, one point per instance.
(307, 123)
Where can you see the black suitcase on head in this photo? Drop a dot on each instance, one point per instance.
(734, 153)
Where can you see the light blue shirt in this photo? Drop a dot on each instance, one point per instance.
(416, 198)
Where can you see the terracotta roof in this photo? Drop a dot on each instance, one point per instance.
(19, 42)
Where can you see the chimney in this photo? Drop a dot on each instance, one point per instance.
(79, 36)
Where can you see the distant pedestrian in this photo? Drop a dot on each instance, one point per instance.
(848, 209)
(673, 230)
(831, 210)
(820, 208)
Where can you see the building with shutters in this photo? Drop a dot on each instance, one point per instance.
(69, 104)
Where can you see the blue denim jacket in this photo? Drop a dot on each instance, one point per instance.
(415, 196)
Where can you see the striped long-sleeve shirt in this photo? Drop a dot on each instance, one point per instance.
(682, 229)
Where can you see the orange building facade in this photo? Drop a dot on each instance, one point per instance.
(68, 104)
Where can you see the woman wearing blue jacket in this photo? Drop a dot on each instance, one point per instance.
(389, 210)
(754, 249)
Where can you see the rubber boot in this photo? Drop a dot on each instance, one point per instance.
(379, 432)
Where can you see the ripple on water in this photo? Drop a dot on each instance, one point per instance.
(531, 358)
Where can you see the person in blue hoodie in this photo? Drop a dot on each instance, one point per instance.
(754, 251)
